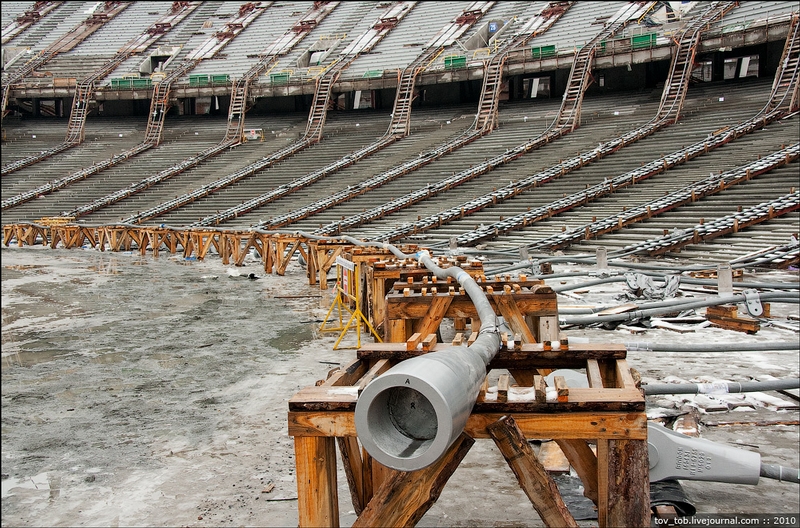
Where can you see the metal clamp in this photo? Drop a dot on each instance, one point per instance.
(753, 303)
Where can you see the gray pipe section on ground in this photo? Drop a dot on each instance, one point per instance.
(720, 387)
(780, 473)
(583, 320)
(649, 346)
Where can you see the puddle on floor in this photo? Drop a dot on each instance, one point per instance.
(29, 359)
(42, 482)
(289, 339)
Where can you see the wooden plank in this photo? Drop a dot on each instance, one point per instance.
(317, 497)
(739, 324)
(581, 394)
(537, 484)
(406, 496)
(429, 342)
(415, 307)
(584, 461)
(575, 425)
(347, 375)
(624, 377)
(502, 388)
(593, 374)
(528, 356)
(413, 341)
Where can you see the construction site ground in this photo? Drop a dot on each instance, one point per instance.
(141, 391)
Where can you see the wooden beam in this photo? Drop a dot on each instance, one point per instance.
(584, 461)
(353, 470)
(416, 306)
(513, 316)
(317, 496)
(623, 483)
(433, 318)
(528, 356)
(574, 425)
(537, 484)
(406, 496)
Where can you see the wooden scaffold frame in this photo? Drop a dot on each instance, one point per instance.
(602, 429)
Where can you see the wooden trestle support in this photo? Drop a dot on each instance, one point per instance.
(602, 429)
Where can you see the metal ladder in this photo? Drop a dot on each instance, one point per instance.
(401, 113)
(322, 98)
(786, 81)
(677, 84)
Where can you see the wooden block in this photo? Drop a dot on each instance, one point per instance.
(406, 292)
(687, 424)
(484, 388)
(502, 388)
(428, 342)
(666, 512)
(540, 388)
(517, 341)
(504, 340)
(738, 324)
(472, 337)
(413, 341)
(561, 388)
(458, 340)
(722, 310)
(563, 341)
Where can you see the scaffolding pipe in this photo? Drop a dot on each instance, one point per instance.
(720, 387)
(648, 346)
(584, 320)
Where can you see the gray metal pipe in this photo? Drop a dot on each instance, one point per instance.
(583, 320)
(720, 387)
(408, 417)
(780, 473)
(649, 346)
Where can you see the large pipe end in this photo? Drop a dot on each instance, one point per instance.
(407, 418)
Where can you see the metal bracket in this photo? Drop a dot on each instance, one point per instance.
(753, 303)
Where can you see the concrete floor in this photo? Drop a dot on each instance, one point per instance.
(153, 392)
